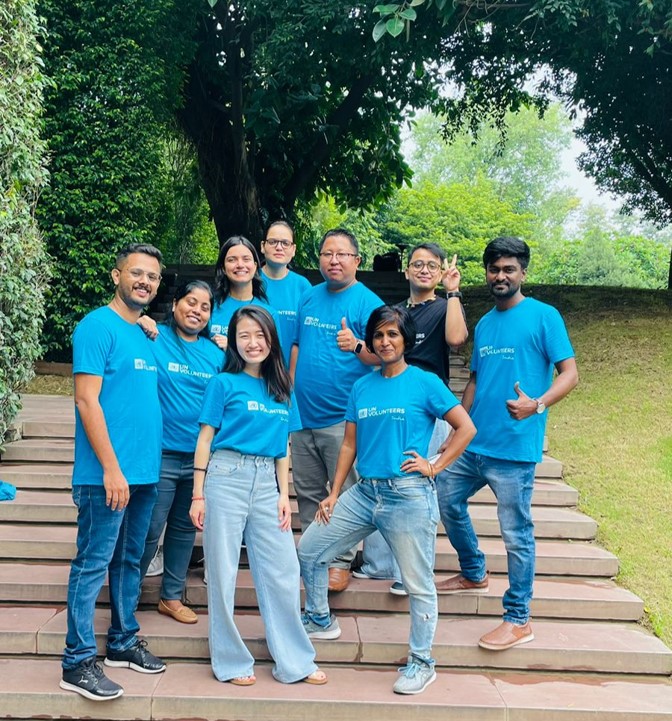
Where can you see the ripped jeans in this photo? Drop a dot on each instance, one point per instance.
(406, 512)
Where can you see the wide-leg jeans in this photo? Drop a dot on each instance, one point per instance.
(241, 504)
(405, 512)
(512, 483)
(175, 489)
(109, 543)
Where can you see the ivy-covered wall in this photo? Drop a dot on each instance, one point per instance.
(23, 261)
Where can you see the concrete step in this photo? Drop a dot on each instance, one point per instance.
(38, 476)
(381, 640)
(37, 542)
(187, 691)
(550, 522)
(53, 476)
(554, 597)
(54, 427)
(40, 450)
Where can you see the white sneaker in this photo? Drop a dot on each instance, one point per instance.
(155, 567)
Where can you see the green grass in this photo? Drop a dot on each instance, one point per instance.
(613, 433)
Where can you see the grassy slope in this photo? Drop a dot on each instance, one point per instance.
(614, 432)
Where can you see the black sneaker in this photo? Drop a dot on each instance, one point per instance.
(136, 657)
(89, 681)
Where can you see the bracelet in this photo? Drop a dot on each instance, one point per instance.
(205, 470)
(454, 294)
(198, 498)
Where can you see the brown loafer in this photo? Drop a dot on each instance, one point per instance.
(460, 584)
(506, 635)
(339, 579)
(182, 614)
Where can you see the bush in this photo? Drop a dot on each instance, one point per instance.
(23, 260)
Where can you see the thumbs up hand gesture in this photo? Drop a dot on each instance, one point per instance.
(523, 406)
(346, 338)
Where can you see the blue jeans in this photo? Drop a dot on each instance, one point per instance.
(241, 504)
(377, 558)
(109, 543)
(512, 483)
(176, 486)
(405, 512)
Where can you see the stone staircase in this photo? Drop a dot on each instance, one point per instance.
(590, 659)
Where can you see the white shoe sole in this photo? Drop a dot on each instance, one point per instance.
(134, 666)
(87, 694)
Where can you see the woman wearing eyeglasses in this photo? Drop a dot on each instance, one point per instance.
(284, 287)
(237, 283)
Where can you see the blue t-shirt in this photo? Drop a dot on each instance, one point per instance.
(325, 374)
(222, 312)
(285, 295)
(394, 415)
(520, 344)
(106, 345)
(184, 371)
(247, 418)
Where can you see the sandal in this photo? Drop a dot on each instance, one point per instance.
(317, 678)
(243, 680)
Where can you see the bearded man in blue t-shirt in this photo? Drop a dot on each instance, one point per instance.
(517, 346)
(114, 482)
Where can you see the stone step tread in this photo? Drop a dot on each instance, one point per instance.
(187, 691)
(37, 542)
(53, 476)
(39, 506)
(558, 645)
(40, 449)
(554, 597)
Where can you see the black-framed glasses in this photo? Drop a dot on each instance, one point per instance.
(421, 264)
(328, 255)
(275, 242)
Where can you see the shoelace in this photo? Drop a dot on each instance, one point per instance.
(410, 669)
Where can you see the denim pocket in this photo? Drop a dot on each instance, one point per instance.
(223, 466)
(409, 491)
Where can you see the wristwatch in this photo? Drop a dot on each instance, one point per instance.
(358, 348)
(541, 406)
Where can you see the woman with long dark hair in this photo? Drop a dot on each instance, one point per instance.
(238, 283)
(241, 494)
(389, 422)
(186, 360)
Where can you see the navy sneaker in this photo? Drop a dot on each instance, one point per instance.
(137, 657)
(89, 680)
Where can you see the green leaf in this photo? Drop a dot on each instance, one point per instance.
(395, 27)
(386, 9)
(212, 3)
(408, 14)
(415, 3)
(379, 30)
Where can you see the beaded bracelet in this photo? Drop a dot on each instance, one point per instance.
(198, 498)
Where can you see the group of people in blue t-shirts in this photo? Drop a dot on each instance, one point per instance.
(221, 373)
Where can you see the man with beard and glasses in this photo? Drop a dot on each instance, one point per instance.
(517, 346)
(114, 480)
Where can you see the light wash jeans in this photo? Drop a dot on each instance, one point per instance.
(241, 504)
(405, 512)
(377, 557)
(175, 489)
(512, 483)
(109, 544)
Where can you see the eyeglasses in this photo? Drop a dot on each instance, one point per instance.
(328, 255)
(421, 264)
(138, 274)
(275, 242)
